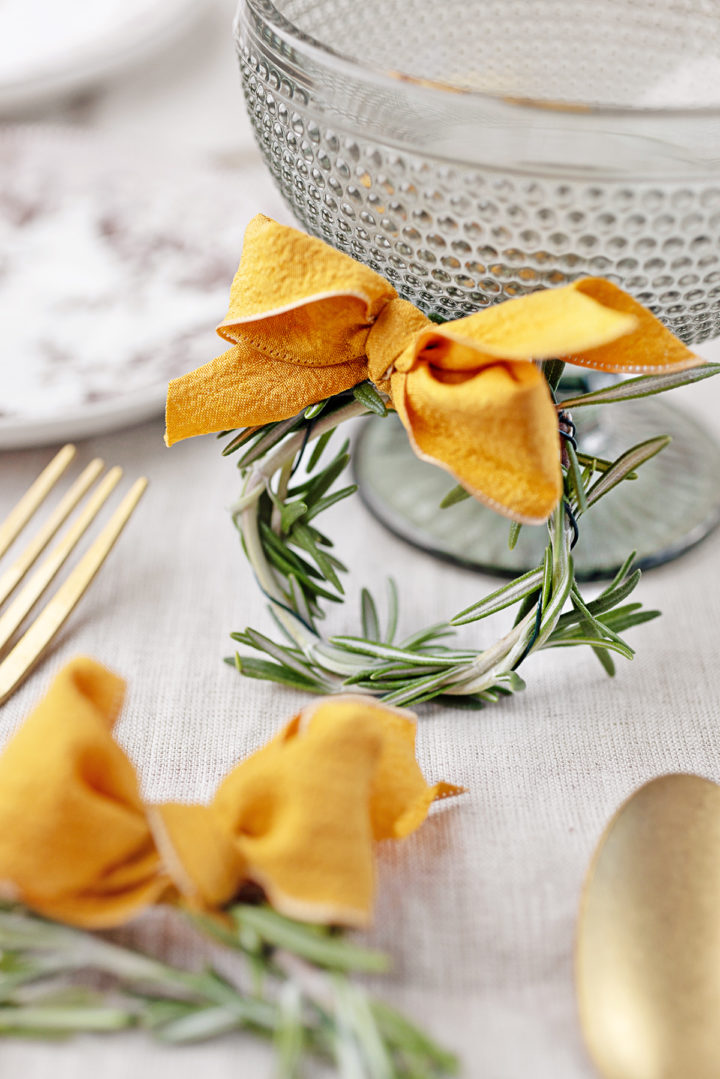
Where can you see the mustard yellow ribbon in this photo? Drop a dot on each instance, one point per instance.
(298, 818)
(306, 322)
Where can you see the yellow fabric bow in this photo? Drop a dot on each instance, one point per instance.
(306, 321)
(298, 817)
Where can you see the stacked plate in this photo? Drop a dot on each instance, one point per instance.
(53, 47)
(114, 270)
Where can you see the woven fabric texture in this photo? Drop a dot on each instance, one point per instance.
(478, 907)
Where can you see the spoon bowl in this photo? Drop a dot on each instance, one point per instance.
(648, 940)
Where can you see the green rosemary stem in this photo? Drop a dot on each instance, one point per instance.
(247, 519)
(305, 998)
(483, 671)
(284, 475)
(287, 450)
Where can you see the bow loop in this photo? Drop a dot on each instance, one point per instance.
(74, 839)
(295, 299)
(493, 427)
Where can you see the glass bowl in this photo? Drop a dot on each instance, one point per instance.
(475, 152)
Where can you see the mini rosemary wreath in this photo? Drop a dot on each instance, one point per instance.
(317, 339)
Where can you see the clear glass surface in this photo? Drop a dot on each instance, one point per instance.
(472, 152)
(405, 494)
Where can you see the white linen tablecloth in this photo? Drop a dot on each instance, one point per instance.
(478, 908)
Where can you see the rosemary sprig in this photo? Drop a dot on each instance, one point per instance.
(294, 565)
(300, 993)
(643, 386)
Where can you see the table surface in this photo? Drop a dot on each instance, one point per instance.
(478, 909)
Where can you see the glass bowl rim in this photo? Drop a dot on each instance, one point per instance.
(365, 71)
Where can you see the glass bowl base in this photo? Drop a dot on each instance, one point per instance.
(672, 505)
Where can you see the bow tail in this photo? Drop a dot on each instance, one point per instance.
(649, 347)
(307, 808)
(74, 840)
(245, 388)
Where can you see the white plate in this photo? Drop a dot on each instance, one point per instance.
(55, 47)
(126, 411)
(114, 272)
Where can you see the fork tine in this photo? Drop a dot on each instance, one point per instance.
(12, 576)
(26, 653)
(46, 572)
(33, 497)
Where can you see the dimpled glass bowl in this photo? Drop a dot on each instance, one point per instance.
(472, 152)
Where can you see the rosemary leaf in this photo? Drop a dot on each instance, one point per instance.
(318, 448)
(626, 463)
(514, 535)
(313, 411)
(316, 486)
(284, 657)
(368, 396)
(289, 1033)
(584, 638)
(626, 617)
(303, 537)
(575, 477)
(274, 672)
(389, 672)
(241, 438)
(606, 661)
(412, 1042)
(55, 1021)
(624, 571)
(290, 568)
(319, 945)
(388, 652)
(273, 434)
(369, 616)
(273, 544)
(644, 386)
(299, 602)
(598, 464)
(290, 512)
(431, 633)
(553, 371)
(592, 623)
(612, 597)
(199, 1024)
(503, 597)
(454, 495)
(424, 689)
(392, 618)
(330, 500)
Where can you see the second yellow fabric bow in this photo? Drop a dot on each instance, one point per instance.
(299, 817)
(306, 322)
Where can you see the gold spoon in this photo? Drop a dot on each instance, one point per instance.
(648, 939)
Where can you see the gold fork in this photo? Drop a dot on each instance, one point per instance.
(30, 647)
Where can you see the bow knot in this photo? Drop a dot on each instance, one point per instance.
(390, 342)
(306, 322)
